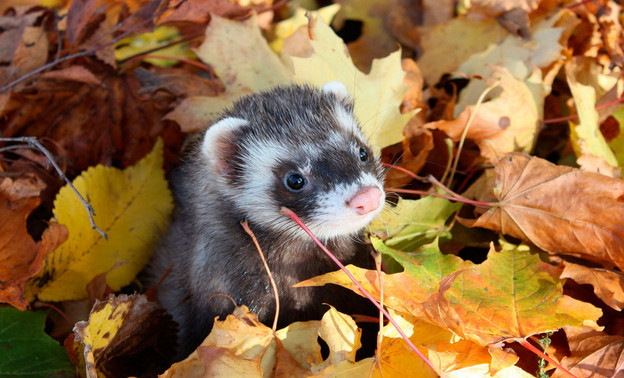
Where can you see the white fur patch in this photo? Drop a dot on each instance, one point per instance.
(261, 156)
(347, 121)
(335, 218)
(216, 132)
(337, 88)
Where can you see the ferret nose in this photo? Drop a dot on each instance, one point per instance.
(366, 200)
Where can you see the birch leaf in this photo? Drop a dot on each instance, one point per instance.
(132, 207)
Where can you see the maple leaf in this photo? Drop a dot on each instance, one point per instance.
(379, 93)
(374, 41)
(413, 223)
(405, 291)
(132, 207)
(592, 353)
(20, 256)
(511, 295)
(608, 285)
(559, 209)
(252, 66)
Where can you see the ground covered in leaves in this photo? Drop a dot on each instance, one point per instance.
(501, 124)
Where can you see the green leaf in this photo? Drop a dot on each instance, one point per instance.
(27, 351)
(413, 223)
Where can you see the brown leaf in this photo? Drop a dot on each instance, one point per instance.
(198, 11)
(593, 354)
(608, 285)
(23, 44)
(110, 123)
(127, 335)
(20, 256)
(559, 209)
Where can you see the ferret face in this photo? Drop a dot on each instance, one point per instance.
(299, 148)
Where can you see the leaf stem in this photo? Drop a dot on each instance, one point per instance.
(266, 266)
(297, 220)
(32, 141)
(533, 349)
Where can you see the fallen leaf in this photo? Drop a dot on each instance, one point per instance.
(406, 291)
(378, 94)
(200, 11)
(559, 209)
(239, 345)
(586, 137)
(20, 256)
(284, 29)
(608, 285)
(126, 336)
(448, 45)
(132, 207)
(592, 354)
(26, 350)
(374, 41)
(148, 42)
(63, 104)
(413, 223)
(23, 43)
(506, 123)
(248, 67)
(510, 296)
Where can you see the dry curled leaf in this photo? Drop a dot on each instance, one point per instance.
(20, 256)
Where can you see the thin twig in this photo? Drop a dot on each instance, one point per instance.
(88, 52)
(468, 124)
(266, 266)
(295, 218)
(32, 141)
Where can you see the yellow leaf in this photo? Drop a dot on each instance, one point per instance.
(241, 57)
(586, 137)
(508, 122)
(245, 63)
(132, 46)
(105, 320)
(124, 323)
(238, 346)
(132, 207)
(378, 95)
(287, 27)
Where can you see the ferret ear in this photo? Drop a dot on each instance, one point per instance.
(337, 89)
(219, 144)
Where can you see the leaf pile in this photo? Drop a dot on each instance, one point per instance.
(501, 123)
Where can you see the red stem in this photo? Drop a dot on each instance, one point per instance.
(533, 349)
(450, 198)
(295, 218)
(575, 116)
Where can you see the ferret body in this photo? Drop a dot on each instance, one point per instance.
(292, 146)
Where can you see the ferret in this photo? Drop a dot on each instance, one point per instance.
(294, 146)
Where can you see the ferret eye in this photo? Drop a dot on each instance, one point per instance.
(295, 181)
(363, 154)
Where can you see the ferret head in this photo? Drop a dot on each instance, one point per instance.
(301, 148)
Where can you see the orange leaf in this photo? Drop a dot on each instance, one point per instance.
(20, 256)
(512, 295)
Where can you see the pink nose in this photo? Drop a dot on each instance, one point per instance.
(365, 200)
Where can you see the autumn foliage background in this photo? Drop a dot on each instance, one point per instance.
(501, 124)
